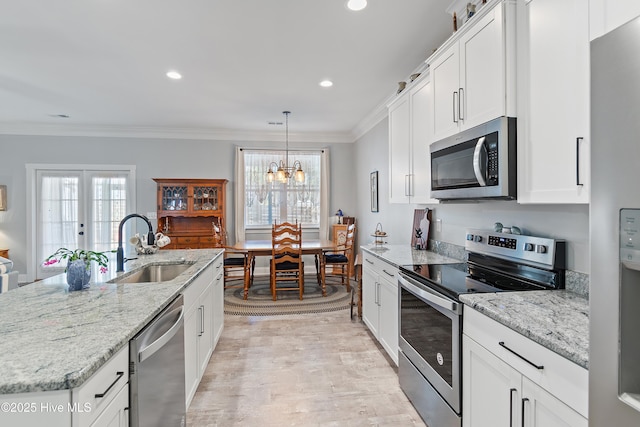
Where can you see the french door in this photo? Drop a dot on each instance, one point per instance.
(78, 208)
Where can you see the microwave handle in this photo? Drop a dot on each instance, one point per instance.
(477, 167)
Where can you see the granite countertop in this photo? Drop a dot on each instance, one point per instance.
(404, 254)
(558, 320)
(53, 339)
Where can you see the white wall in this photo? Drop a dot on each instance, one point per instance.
(154, 158)
(569, 222)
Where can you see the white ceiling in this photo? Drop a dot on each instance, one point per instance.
(103, 63)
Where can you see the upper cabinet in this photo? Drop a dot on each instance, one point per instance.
(553, 101)
(409, 130)
(187, 208)
(607, 15)
(473, 73)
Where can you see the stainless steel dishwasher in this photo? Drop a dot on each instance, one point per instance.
(156, 368)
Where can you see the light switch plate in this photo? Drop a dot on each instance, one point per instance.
(438, 225)
(152, 215)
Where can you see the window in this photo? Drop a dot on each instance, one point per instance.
(268, 203)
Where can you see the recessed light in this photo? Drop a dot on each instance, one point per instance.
(174, 75)
(326, 83)
(59, 116)
(357, 4)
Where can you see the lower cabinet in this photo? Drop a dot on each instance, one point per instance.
(202, 324)
(117, 413)
(380, 302)
(499, 388)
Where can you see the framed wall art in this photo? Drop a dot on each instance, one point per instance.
(374, 191)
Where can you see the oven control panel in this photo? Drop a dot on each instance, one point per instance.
(542, 251)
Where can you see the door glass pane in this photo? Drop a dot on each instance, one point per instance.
(109, 206)
(59, 211)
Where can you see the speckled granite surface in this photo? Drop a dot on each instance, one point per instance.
(558, 320)
(53, 339)
(403, 254)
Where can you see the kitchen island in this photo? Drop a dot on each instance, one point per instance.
(53, 339)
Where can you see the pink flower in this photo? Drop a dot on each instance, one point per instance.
(51, 261)
(103, 270)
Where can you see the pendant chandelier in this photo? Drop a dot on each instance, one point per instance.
(283, 171)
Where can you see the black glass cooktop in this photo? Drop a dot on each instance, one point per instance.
(450, 279)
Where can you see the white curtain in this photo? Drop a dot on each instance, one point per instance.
(240, 195)
(324, 194)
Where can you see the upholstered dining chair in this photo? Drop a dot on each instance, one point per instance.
(338, 261)
(287, 268)
(235, 263)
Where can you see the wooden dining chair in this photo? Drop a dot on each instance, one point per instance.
(235, 262)
(287, 268)
(338, 261)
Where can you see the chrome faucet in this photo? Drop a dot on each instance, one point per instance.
(120, 252)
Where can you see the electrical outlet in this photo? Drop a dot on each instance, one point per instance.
(152, 215)
(438, 225)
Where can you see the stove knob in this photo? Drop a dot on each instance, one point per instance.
(528, 247)
(541, 249)
(470, 237)
(477, 238)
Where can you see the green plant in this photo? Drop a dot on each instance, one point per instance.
(79, 254)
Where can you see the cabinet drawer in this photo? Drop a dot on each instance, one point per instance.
(92, 397)
(192, 292)
(562, 378)
(206, 240)
(187, 240)
(380, 267)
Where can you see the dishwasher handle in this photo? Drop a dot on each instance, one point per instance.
(149, 350)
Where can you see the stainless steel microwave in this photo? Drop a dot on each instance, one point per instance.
(479, 163)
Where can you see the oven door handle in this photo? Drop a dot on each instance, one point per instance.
(430, 297)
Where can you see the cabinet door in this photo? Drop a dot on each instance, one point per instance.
(173, 197)
(490, 388)
(205, 338)
(553, 98)
(388, 328)
(370, 300)
(218, 304)
(117, 413)
(606, 15)
(445, 87)
(191, 331)
(420, 140)
(399, 151)
(542, 409)
(482, 71)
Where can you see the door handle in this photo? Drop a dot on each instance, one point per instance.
(454, 107)
(460, 98)
(477, 159)
(578, 140)
(149, 350)
(511, 406)
(524, 401)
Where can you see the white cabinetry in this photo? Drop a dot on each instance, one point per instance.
(498, 385)
(380, 302)
(607, 15)
(409, 133)
(199, 327)
(553, 101)
(473, 73)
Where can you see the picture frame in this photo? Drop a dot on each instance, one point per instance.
(373, 181)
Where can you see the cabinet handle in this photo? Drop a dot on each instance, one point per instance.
(454, 107)
(202, 320)
(388, 274)
(377, 293)
(578, 140)
(369, 261)
(502, 344)
(119, 375)
(511, 406)
(460, 98)
(524, 400)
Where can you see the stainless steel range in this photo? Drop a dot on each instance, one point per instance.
(430, 319)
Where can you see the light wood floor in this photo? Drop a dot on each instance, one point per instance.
(299, 370)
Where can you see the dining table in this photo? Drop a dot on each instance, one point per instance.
(255, 248)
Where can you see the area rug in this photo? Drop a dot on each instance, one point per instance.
(260, 302)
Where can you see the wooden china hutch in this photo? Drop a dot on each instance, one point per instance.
(187, 208)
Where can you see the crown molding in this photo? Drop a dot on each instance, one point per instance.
(170, 133)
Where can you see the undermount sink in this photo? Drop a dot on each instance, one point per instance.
(155, 273)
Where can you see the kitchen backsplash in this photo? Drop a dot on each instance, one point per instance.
(575, 282)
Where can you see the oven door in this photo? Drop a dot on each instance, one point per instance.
(430, 328)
